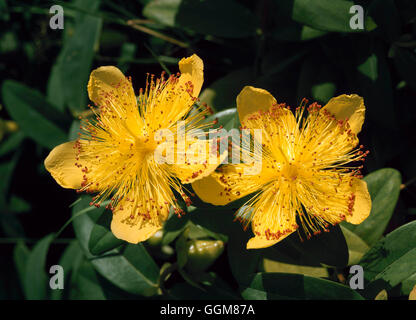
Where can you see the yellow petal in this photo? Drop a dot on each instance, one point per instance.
(276, 125)
(251, 100)
(61, 164)
(412, 294)
(192, 171)
(178, 96)
(362, 205)
(261, 242)
(106, 80)
(349, 107)
(211, 190)
(230, 183)
(132, 226)
(132, 234)
(274, 218)
(328, 195)
(192, 69)
(110, 89)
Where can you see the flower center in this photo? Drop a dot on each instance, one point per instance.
(290, 171)
(145, 146)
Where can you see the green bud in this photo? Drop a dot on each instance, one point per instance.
(202, 254)
(156, 239)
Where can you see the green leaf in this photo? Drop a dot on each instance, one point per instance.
(182, 249)
(227, 118)
(223, 92)
(243, 262)
(390, 261)
(4, 11)
(69, 261)
(357, 247)
(173, 227)
(54, 91)
(101, 238)
(384, 188)
(407, 285)
(274, 266)
(163, 11)
(219, 220)
(34, 115)
(9, 42)
(85, 284)
(197, 231)
(270, 286)
(36, 280)
(187, 14)
(6, 170)
(12, 142)
(292, 31)
(329, 248)
(404, 287)
(20, 256)
(69, 77)
(18, 205)
(11, 225)
(284, 28)
(325, 15)
(130, 268)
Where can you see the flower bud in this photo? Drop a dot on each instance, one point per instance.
(156, 239)
(203, 253)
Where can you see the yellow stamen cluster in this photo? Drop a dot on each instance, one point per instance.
(307, 159)
(120, 143)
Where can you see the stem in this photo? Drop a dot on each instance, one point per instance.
(408, 183)
(156, 34)
(133, 23)
(85, 210)
(165, 274)
(158, 59)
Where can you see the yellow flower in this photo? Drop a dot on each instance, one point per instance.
(114, 155)
(305, 177)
